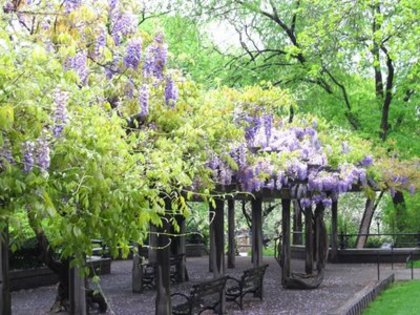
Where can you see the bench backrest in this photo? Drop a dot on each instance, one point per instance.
(253, 278)
(208, 290)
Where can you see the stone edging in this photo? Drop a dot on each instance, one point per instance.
(362, 299)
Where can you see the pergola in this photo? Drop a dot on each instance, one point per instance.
(316, 239)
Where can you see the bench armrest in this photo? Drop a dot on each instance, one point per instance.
(232, 278)
(181, 294)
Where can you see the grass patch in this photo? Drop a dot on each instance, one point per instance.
(267, 251)
(416, 264)
(401, 298)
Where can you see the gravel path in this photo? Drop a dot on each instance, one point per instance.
(341, 282)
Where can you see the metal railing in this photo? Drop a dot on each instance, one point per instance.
(395, 240)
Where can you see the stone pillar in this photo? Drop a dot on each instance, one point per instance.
(285, 255)
(231, 234)
(5, 299)
(257, 237)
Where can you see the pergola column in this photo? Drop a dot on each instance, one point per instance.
(5, 300)
(297, 223)
(257, 237)
(231, 234)
(153, 244)
(309, 241)
(334, 230)
(212, 256)
(162, 276)
(218, 242)
(179, 248)
(285, 249)
(77, 292)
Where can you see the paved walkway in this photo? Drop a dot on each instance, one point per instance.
(341, 282)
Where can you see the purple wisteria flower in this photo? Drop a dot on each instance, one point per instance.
(100, 43)
(144, 100)
(60, 114)
(113, 68)
(268, 124)
(254, 124)
(9, 7)
(239, 156)
(129, 88)
(171, 92)
(367, 161)
(345, 147)
(156, 58)
(28, 156)
(305, 203)
(43, 154)
(412, 189)
(71, 5)
(113, 4)
(133, 53)
(78, 63)
(392, 191)
(123, 24)
(327, 202)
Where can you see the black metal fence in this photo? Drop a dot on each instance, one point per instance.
(381, 240)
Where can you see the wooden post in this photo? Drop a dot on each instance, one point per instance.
(309, 241)
(181, 250)
(334, 223)
(162, 270)
(219, 246)
(212, 253)
(219, 237)
(231, 234)
(297, 223)
(77, 294)
(153, 244)
(137, 274)
(5, 299)
(257, 241)
(285, 256)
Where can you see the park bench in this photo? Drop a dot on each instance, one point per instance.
(203, 296)
(148, 271)
(251, 281)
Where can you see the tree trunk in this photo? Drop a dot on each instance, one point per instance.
(400, 210)
(365, 223)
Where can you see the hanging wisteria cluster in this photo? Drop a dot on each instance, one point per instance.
(140, 70)
(305, 172)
